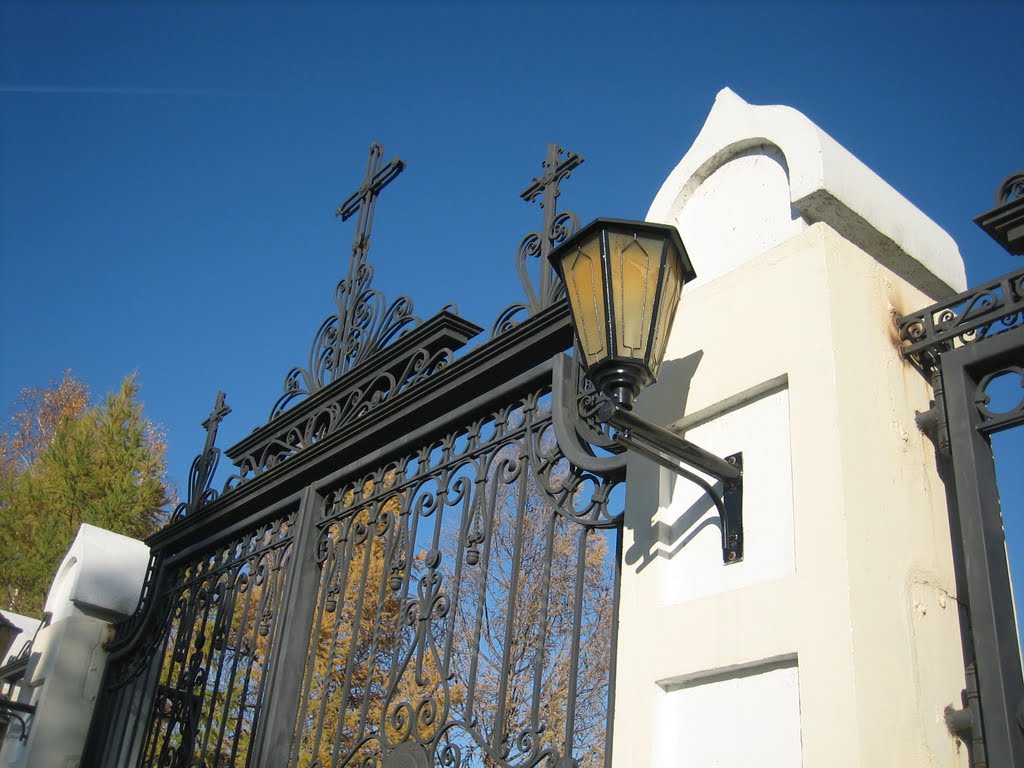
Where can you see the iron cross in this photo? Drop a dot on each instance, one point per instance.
(546, 188)
(364, 198)
(220, 410)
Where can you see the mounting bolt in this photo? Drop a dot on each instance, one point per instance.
(732, 556)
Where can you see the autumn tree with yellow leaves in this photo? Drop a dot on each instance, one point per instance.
(547, 577)
(62, 464)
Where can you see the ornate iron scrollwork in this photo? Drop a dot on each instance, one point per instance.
(408, 664)
(216, 650)
(996, 419)
(964, 345)
(981, 313)
(1011, 188)
(990, 309)
(399, 369)
(364, 323)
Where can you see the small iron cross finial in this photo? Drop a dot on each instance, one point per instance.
(555, 230)
(364, 199)
(546, 188)
(220, 410)
(204, 465)
(363, 322)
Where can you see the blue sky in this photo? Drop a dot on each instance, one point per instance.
(169, 171)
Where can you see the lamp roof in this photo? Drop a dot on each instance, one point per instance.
(639, 227)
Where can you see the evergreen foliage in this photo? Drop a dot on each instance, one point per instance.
(63, 464)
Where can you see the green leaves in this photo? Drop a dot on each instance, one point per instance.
(62, 465)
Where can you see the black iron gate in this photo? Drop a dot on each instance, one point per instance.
(964, 345)
(415, 564)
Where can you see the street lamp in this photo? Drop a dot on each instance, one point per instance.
(623, 280)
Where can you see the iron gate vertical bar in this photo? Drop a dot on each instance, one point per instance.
(613, 651)
(990, 598)
(284, 686)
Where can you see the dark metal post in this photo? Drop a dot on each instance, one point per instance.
(993, 625)
(284, 686)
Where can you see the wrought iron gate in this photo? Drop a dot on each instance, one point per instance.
(964, 345)
(415, 563)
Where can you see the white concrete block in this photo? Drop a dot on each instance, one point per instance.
(102, 571)
(690, 524)
(740, 718)
(740, 211)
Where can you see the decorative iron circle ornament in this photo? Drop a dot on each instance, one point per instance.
(407, 755)
(984, 401)
(1011, 188)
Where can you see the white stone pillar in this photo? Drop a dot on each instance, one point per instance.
(98, 583)
(836, 641)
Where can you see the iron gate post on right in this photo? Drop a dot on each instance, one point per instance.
(964, 345)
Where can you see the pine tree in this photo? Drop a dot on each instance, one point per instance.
(61, 465)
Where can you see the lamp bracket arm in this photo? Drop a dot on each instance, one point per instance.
(16, 709)
(669, 453)
(668, 442)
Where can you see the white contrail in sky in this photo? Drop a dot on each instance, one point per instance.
(99, 90)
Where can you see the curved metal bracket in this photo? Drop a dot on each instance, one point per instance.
(565, 414)
(669, 450)
(10, 709)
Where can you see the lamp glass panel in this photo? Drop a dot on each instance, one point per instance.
(633, 266)
(672, 286)
(581, 270)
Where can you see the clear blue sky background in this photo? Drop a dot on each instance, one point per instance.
(169, 171)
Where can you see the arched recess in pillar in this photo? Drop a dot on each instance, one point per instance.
(758, 175)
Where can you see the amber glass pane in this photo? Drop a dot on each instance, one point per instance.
(582, 272)
(672, 286)
(633, 263)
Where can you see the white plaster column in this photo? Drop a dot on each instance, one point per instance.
(98, 583)
(835, 642)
